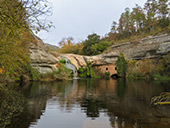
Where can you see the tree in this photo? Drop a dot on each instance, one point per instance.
(138, 17)
(125, 23)
(16, 22)
(114, 27)
(163, 11)
(151, 8)
(37, 12)
(67, 45)
(98, 48)
(91, 40)
(121, 66)
(163, 8)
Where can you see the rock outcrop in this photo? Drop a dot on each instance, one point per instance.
(102, 59)
(40, 58)
(147, 48)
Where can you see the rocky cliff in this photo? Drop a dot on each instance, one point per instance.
(147, 48)
(40, 58)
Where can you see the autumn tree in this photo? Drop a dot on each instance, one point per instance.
(163, 11)
(163, 8)
(125, 23)
(16, 22)
(151, 8)
(138, 18)
(121, 24)
(66, 45)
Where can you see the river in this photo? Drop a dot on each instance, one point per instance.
(85, 103)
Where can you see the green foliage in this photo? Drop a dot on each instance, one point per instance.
(92, 40)
(162, 71)
(81, 73)
(136, 75)
(166, 65)
(34, 74)
(107, 75)
(62, 61)
(88, 71)
(62, 73)
(159, 77)
(121, 66)
(15, 33)
(98, 48)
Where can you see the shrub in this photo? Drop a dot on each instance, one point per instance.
(121, 66)
(62, 61)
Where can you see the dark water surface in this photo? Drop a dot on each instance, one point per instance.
(88, 103)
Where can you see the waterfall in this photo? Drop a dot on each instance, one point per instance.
(70, 66)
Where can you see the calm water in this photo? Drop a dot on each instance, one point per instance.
(85, 104)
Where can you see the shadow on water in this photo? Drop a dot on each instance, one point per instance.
(123, 103)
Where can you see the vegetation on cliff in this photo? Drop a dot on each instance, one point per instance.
(157, 69)
(121, 66)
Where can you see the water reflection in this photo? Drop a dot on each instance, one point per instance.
(89, 103)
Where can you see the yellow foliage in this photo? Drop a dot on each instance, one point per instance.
(67, 46)
(1, 70)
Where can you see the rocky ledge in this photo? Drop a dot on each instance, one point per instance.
(147, 48)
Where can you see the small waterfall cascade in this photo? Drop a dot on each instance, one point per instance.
(70, 66)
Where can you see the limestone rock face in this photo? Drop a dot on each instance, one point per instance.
(40, 58)
(102, 59)
(146, 48)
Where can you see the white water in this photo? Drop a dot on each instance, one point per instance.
(70, 66)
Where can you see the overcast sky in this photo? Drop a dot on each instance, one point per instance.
(79, 18)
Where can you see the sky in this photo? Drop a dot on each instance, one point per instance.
(79, 18)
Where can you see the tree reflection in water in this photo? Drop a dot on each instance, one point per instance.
(125, 103)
